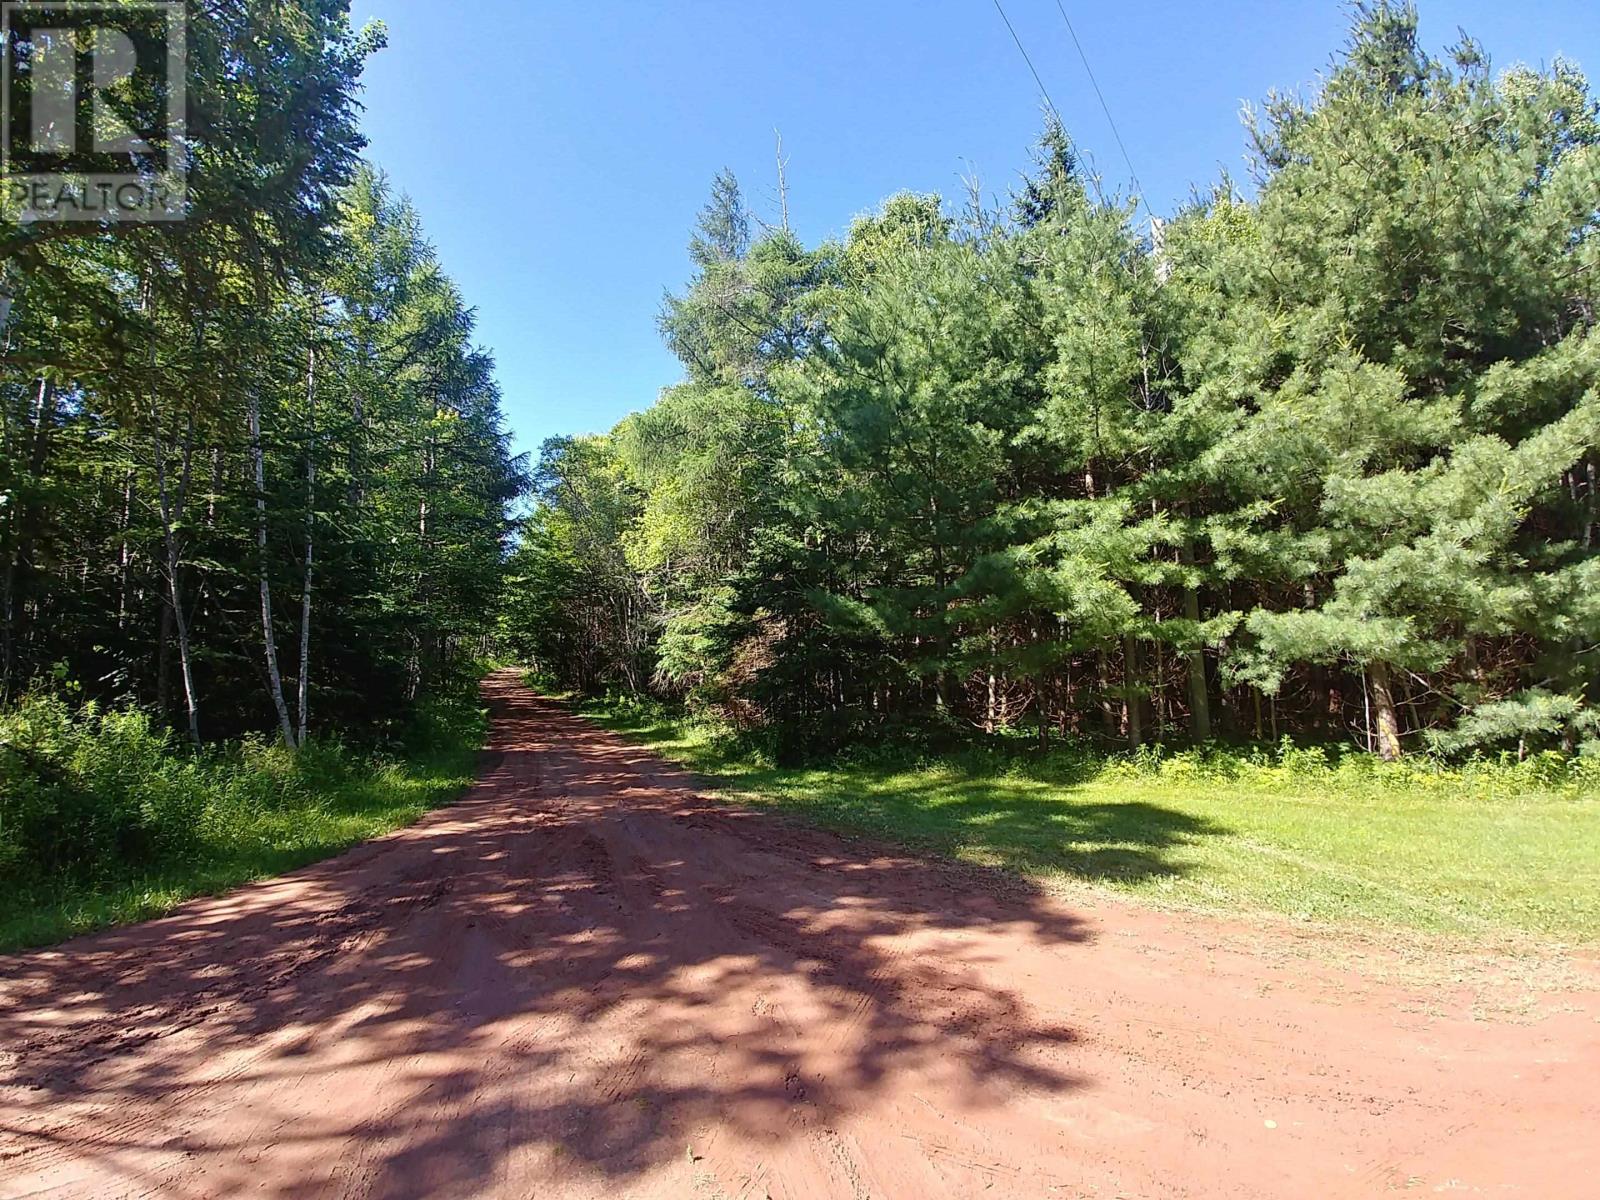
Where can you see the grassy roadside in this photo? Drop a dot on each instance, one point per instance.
(1496, 854)
(252, 811)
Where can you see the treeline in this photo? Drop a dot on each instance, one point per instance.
(1320, 462)
(253, 471)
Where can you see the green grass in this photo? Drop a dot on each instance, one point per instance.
(1484, 851)
(263, 813)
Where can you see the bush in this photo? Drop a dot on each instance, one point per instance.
(1289, 767)
(88, 795)
(80, 791)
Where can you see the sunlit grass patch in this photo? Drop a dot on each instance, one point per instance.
(1485, 848)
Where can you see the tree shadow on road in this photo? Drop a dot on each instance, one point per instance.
(580, 974)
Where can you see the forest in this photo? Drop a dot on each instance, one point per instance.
(1307, 469)
(254, 478)
(1057, 692)
(1314, 459)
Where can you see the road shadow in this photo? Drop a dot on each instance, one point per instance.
(566, 979)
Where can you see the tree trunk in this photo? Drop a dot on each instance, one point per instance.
(24, 523)
(358, 434)
(124, 552)
(419, 665)
(268, 637)
(1133, 705)
(311, 520)
(1199, 697)
(1593, 514)
(170, 514)
(1384, 710)
(1199, 700)
(991, 703)
(1108, 718)
(164, 660)
(1160, 713)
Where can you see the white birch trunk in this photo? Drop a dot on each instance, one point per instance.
(174, 593)
(311, 519)
(268, 638)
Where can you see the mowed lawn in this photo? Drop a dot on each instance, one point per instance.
(1428, 854)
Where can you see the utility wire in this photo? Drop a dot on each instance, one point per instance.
(1104, 107)
(1043, 91)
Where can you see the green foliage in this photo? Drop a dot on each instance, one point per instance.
(76, 793)
(1534, 715)
(106, 817)
(1319, 461)
(305, 395)
(258, 435)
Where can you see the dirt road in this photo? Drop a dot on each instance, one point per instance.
(585, 981)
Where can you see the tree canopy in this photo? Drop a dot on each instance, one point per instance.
(1316, 460)
(253, 470)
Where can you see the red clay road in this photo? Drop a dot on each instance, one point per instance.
(585, 980)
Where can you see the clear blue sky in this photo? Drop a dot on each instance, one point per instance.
(561, 164)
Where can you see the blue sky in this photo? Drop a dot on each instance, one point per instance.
(560, 165)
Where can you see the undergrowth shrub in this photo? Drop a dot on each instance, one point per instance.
(87, 794)
(82, 789)
(1287, 767)
(1290, 767)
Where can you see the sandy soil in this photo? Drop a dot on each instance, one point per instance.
(583, 980)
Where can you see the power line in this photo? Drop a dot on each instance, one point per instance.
(1043, 91)
(1104, 107)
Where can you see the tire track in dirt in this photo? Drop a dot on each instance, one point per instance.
(587, 980)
